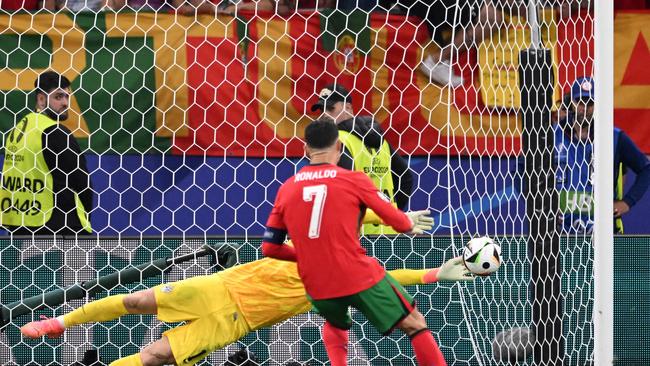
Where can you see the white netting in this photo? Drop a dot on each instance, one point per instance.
(190, 122)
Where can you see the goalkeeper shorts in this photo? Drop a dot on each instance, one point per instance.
(212, 319)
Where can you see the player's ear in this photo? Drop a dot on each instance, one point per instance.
(41, 101)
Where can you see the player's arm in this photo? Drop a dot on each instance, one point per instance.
(272, 249)
(63, 157)
(422, 220)
(636, 160)
(275, 235)
(451, 270)
(402, 179)
(381, 205)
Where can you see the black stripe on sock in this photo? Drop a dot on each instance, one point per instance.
(418, 332)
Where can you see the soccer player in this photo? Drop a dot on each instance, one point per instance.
(321, 208)
(218, 309)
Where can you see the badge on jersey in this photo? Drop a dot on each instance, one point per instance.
(166, 289)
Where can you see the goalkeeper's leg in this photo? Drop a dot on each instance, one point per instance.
(156, 354)
(108, 308)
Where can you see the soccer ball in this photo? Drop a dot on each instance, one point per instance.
(482, 256)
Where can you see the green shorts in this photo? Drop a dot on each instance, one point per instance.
(385, 305)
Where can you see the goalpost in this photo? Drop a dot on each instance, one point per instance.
(603, 160)
(190, 123)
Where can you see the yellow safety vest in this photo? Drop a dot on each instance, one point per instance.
(376, 164)
(26, 191)
(618, 222)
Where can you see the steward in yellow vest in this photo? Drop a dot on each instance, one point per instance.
(364, 149)
(45, 187)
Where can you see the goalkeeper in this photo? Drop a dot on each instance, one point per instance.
(218, 309)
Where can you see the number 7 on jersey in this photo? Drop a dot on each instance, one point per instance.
(317, 195)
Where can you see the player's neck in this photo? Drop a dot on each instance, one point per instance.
(324, 157)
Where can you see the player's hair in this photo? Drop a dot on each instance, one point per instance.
(321, 133)
(48, 81)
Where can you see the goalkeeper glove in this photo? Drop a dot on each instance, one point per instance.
(421, 221)
(451, 270)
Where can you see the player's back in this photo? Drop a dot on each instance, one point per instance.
(322, 207)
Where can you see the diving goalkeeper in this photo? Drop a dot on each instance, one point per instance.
(218, 309)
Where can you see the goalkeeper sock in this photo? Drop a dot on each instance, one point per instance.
(133, 360)
(336, 344)
(426, 349)
(102, 310)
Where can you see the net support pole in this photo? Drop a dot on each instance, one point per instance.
(603, 183)
(536, 83)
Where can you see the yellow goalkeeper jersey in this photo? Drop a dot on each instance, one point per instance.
(267, 291)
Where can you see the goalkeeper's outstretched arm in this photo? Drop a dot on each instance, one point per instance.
(451, 270)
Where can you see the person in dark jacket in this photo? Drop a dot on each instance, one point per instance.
(574, 157)
(365, 149)
(45, 183)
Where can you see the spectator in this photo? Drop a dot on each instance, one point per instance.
(574, 148)
(486, 18)
(365, 149)
(45, 185)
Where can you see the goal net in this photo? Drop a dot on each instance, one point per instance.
(189, 122)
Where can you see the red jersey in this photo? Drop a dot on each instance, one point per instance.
(321, 208)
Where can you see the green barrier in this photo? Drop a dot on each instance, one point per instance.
(465, 317)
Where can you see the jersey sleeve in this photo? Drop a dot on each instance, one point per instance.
(276, 229)
(381, 205)
(275, 219)
(273, 245)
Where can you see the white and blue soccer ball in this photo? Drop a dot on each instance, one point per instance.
(482, 256)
